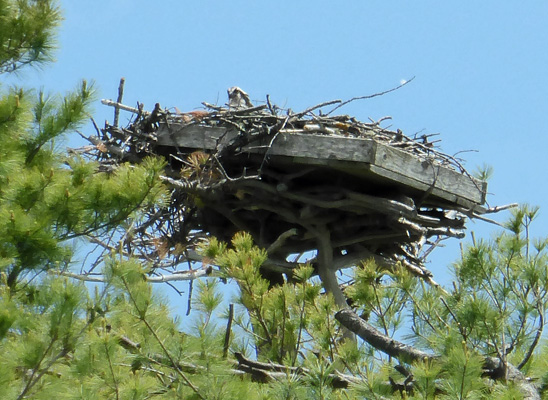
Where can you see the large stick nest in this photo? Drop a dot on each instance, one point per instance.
(238, 186)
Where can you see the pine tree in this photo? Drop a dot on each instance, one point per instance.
(47, 200)
(27, 32)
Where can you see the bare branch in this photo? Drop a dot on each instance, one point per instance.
(120, 106)
(176, 276)
(369, 96)
(393, 348)
(500, 208)
(279, 242)
(228, 329)
(324, 104)
(119, 101)
(337, 380)
(495, 368)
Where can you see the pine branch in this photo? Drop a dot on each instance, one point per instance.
(266, 371)
(35, 376)
(259, 371)
(495, 368)
(161, 343)
(393, 348)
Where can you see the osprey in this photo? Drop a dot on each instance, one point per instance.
(237, 98)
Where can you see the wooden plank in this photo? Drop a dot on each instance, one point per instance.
(192, 136)
(357, 156)
(301, 145)
(421, 173)
(372, 174)
(324, 147)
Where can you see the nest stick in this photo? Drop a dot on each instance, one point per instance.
(119, 101)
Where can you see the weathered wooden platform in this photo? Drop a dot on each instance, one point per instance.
(298, 183)
(365, 159)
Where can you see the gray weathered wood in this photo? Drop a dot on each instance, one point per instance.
(361, 157)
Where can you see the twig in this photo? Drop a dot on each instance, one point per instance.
(190, 285)
(370, 96)
(189, 299)
(434, 245)
(213, 107)
(324, 104)
(228, 329)
(500, 208)
(277, 130)
(459, 325)
(279, 242)
(243, 111)
(115, 104)
(490, 210)
(160, 342)
(183, 275)
(176, 276)
(271, 109)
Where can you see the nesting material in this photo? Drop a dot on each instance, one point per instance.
(312, 182)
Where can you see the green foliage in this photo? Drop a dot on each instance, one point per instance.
(500, 295)
(496, 307)
(484, 173)
(282, 320)
(27, 32)
(384, 295)
(427, 374)
(462, 371)
(43, 203)
(122, 342)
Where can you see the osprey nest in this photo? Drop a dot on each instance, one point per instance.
(313, 183)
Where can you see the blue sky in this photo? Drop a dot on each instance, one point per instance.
(480, 67)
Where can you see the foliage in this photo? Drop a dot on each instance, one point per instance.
(496, 308)
(47, 197)
(27, 29)
(122, 341)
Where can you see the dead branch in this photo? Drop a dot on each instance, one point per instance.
(391, 347)
(496, 209)
(120, 106)
(495, 368)
(228, 329)
(324, 104)
(206, 271)
(279, 242)
(338, 381)
(370, 96)
(119, 101)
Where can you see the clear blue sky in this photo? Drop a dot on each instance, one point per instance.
(481, 70)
